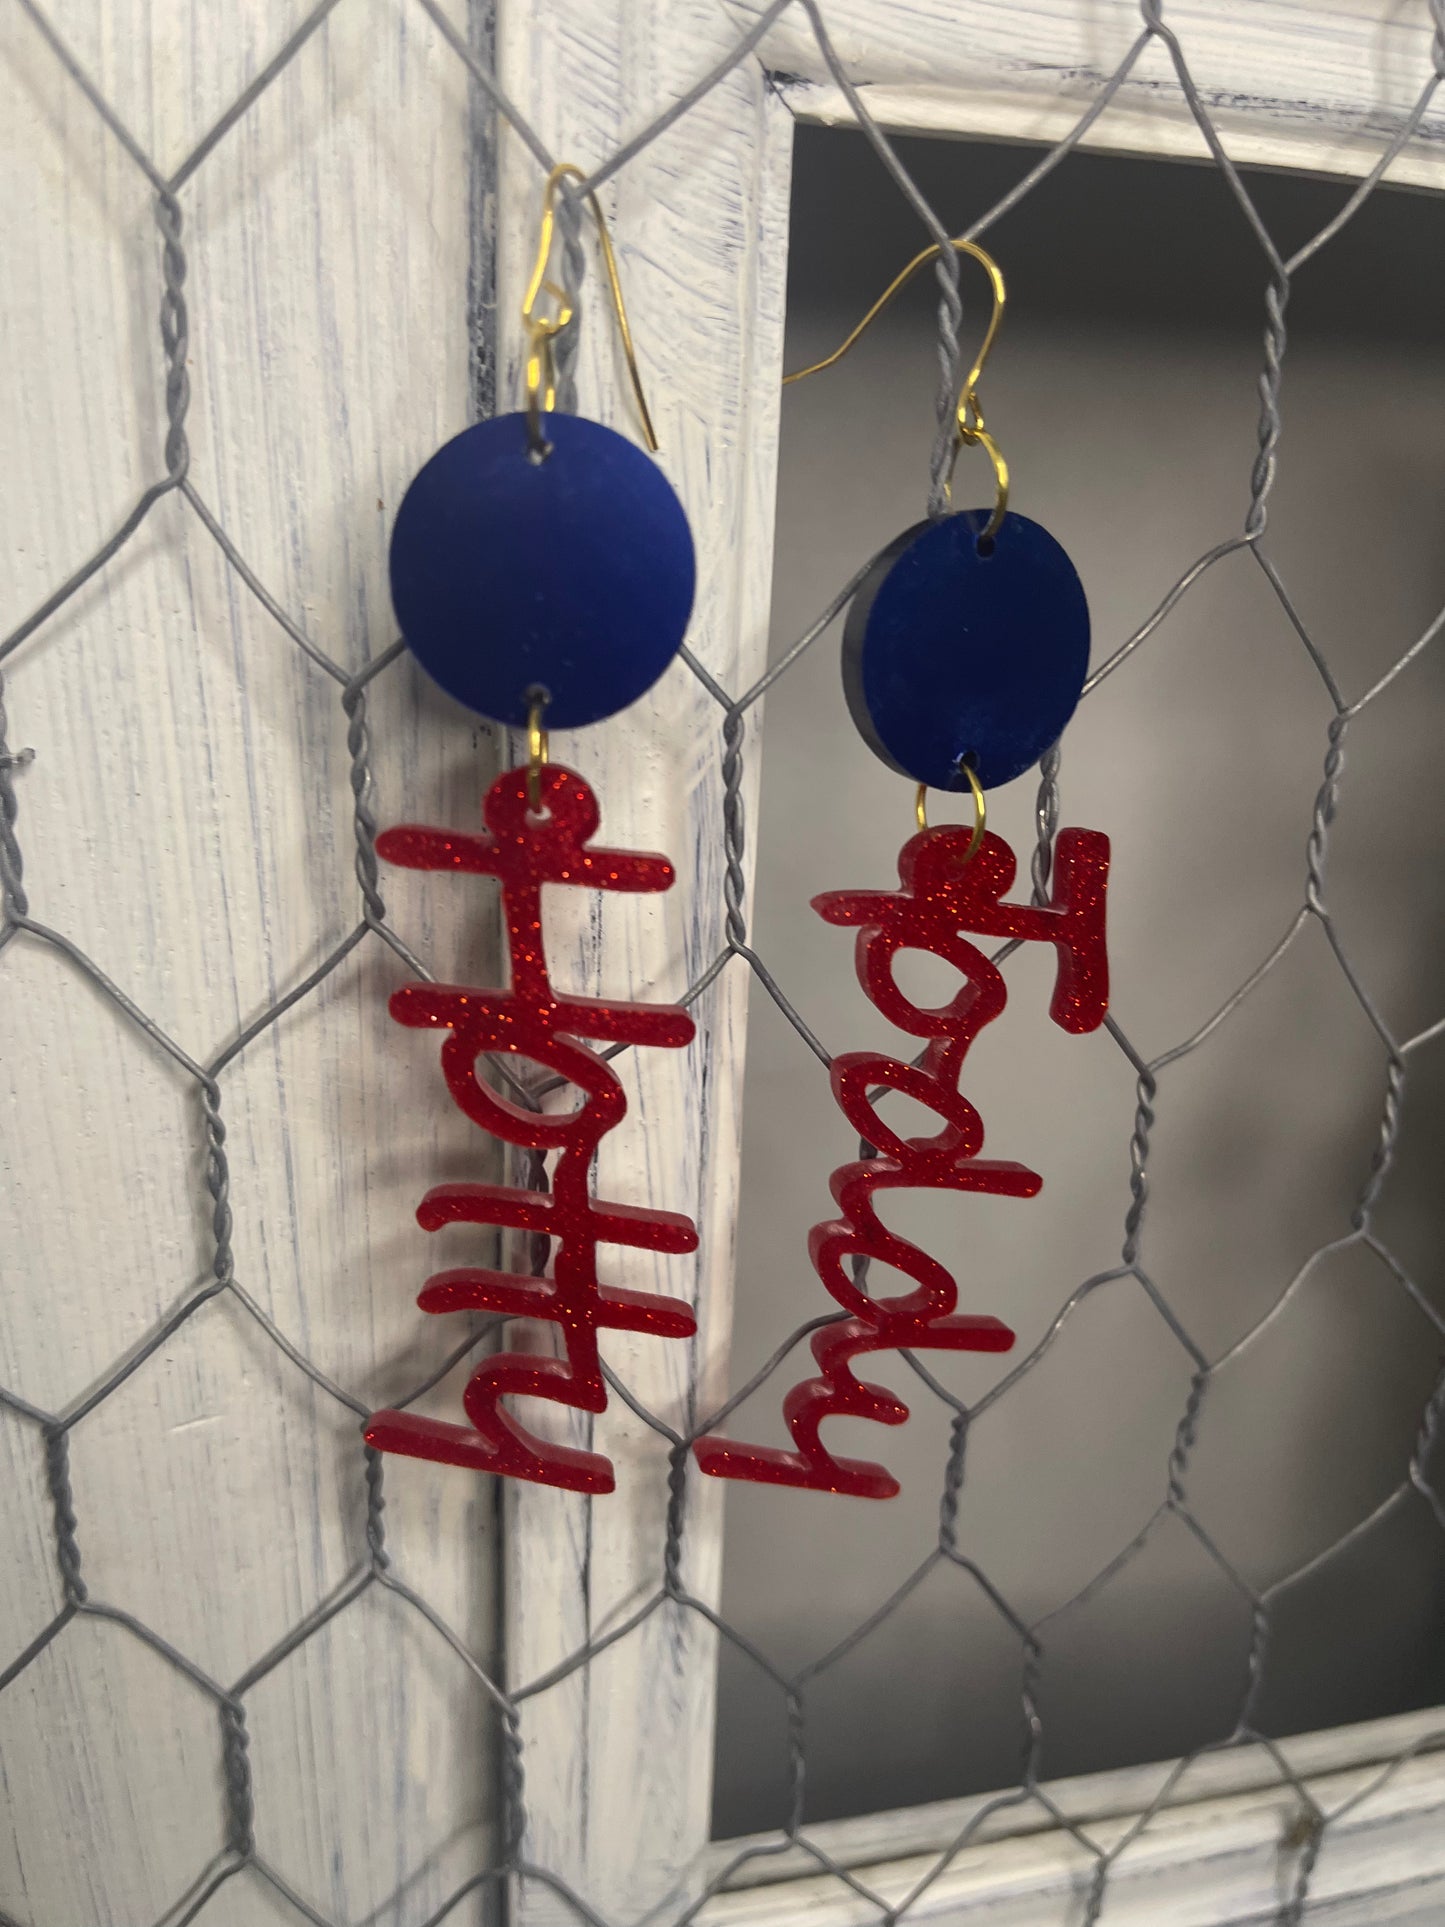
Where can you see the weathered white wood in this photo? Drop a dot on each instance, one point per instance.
(1085, 1800)
(1322, 87)
(187, 822)
(1227, 1862)
(619, 1755)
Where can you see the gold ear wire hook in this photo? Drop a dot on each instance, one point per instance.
(542, 330)
(969, 425)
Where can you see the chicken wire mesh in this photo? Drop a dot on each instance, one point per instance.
(243, 1849)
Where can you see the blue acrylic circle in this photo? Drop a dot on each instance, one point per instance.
(949, 653)
(573, 574)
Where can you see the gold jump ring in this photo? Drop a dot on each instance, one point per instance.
(536, 754)
(980, 808)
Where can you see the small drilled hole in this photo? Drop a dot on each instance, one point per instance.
(984, 546)
(538, 453)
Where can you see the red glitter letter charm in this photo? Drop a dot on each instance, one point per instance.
(942, 895)
(533, 1021)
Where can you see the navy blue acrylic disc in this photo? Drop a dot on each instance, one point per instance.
(573, 574)
(949, 653)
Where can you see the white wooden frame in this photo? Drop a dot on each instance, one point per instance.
(619, 1754)
(624, 1817)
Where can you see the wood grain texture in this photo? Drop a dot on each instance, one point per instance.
(1213, 1863)
(619, 1754)
(187, 822)
(1321, 87)
(1089, 1799)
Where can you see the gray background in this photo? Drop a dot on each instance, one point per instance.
(1123, 392)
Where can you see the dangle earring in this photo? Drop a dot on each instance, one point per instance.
(964, 655)
(542, 572)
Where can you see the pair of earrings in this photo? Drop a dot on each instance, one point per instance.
(964, 654)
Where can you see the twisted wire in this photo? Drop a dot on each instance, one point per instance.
(239, 1853)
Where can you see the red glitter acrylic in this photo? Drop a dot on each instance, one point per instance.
(531, 1020)
(944, 893)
